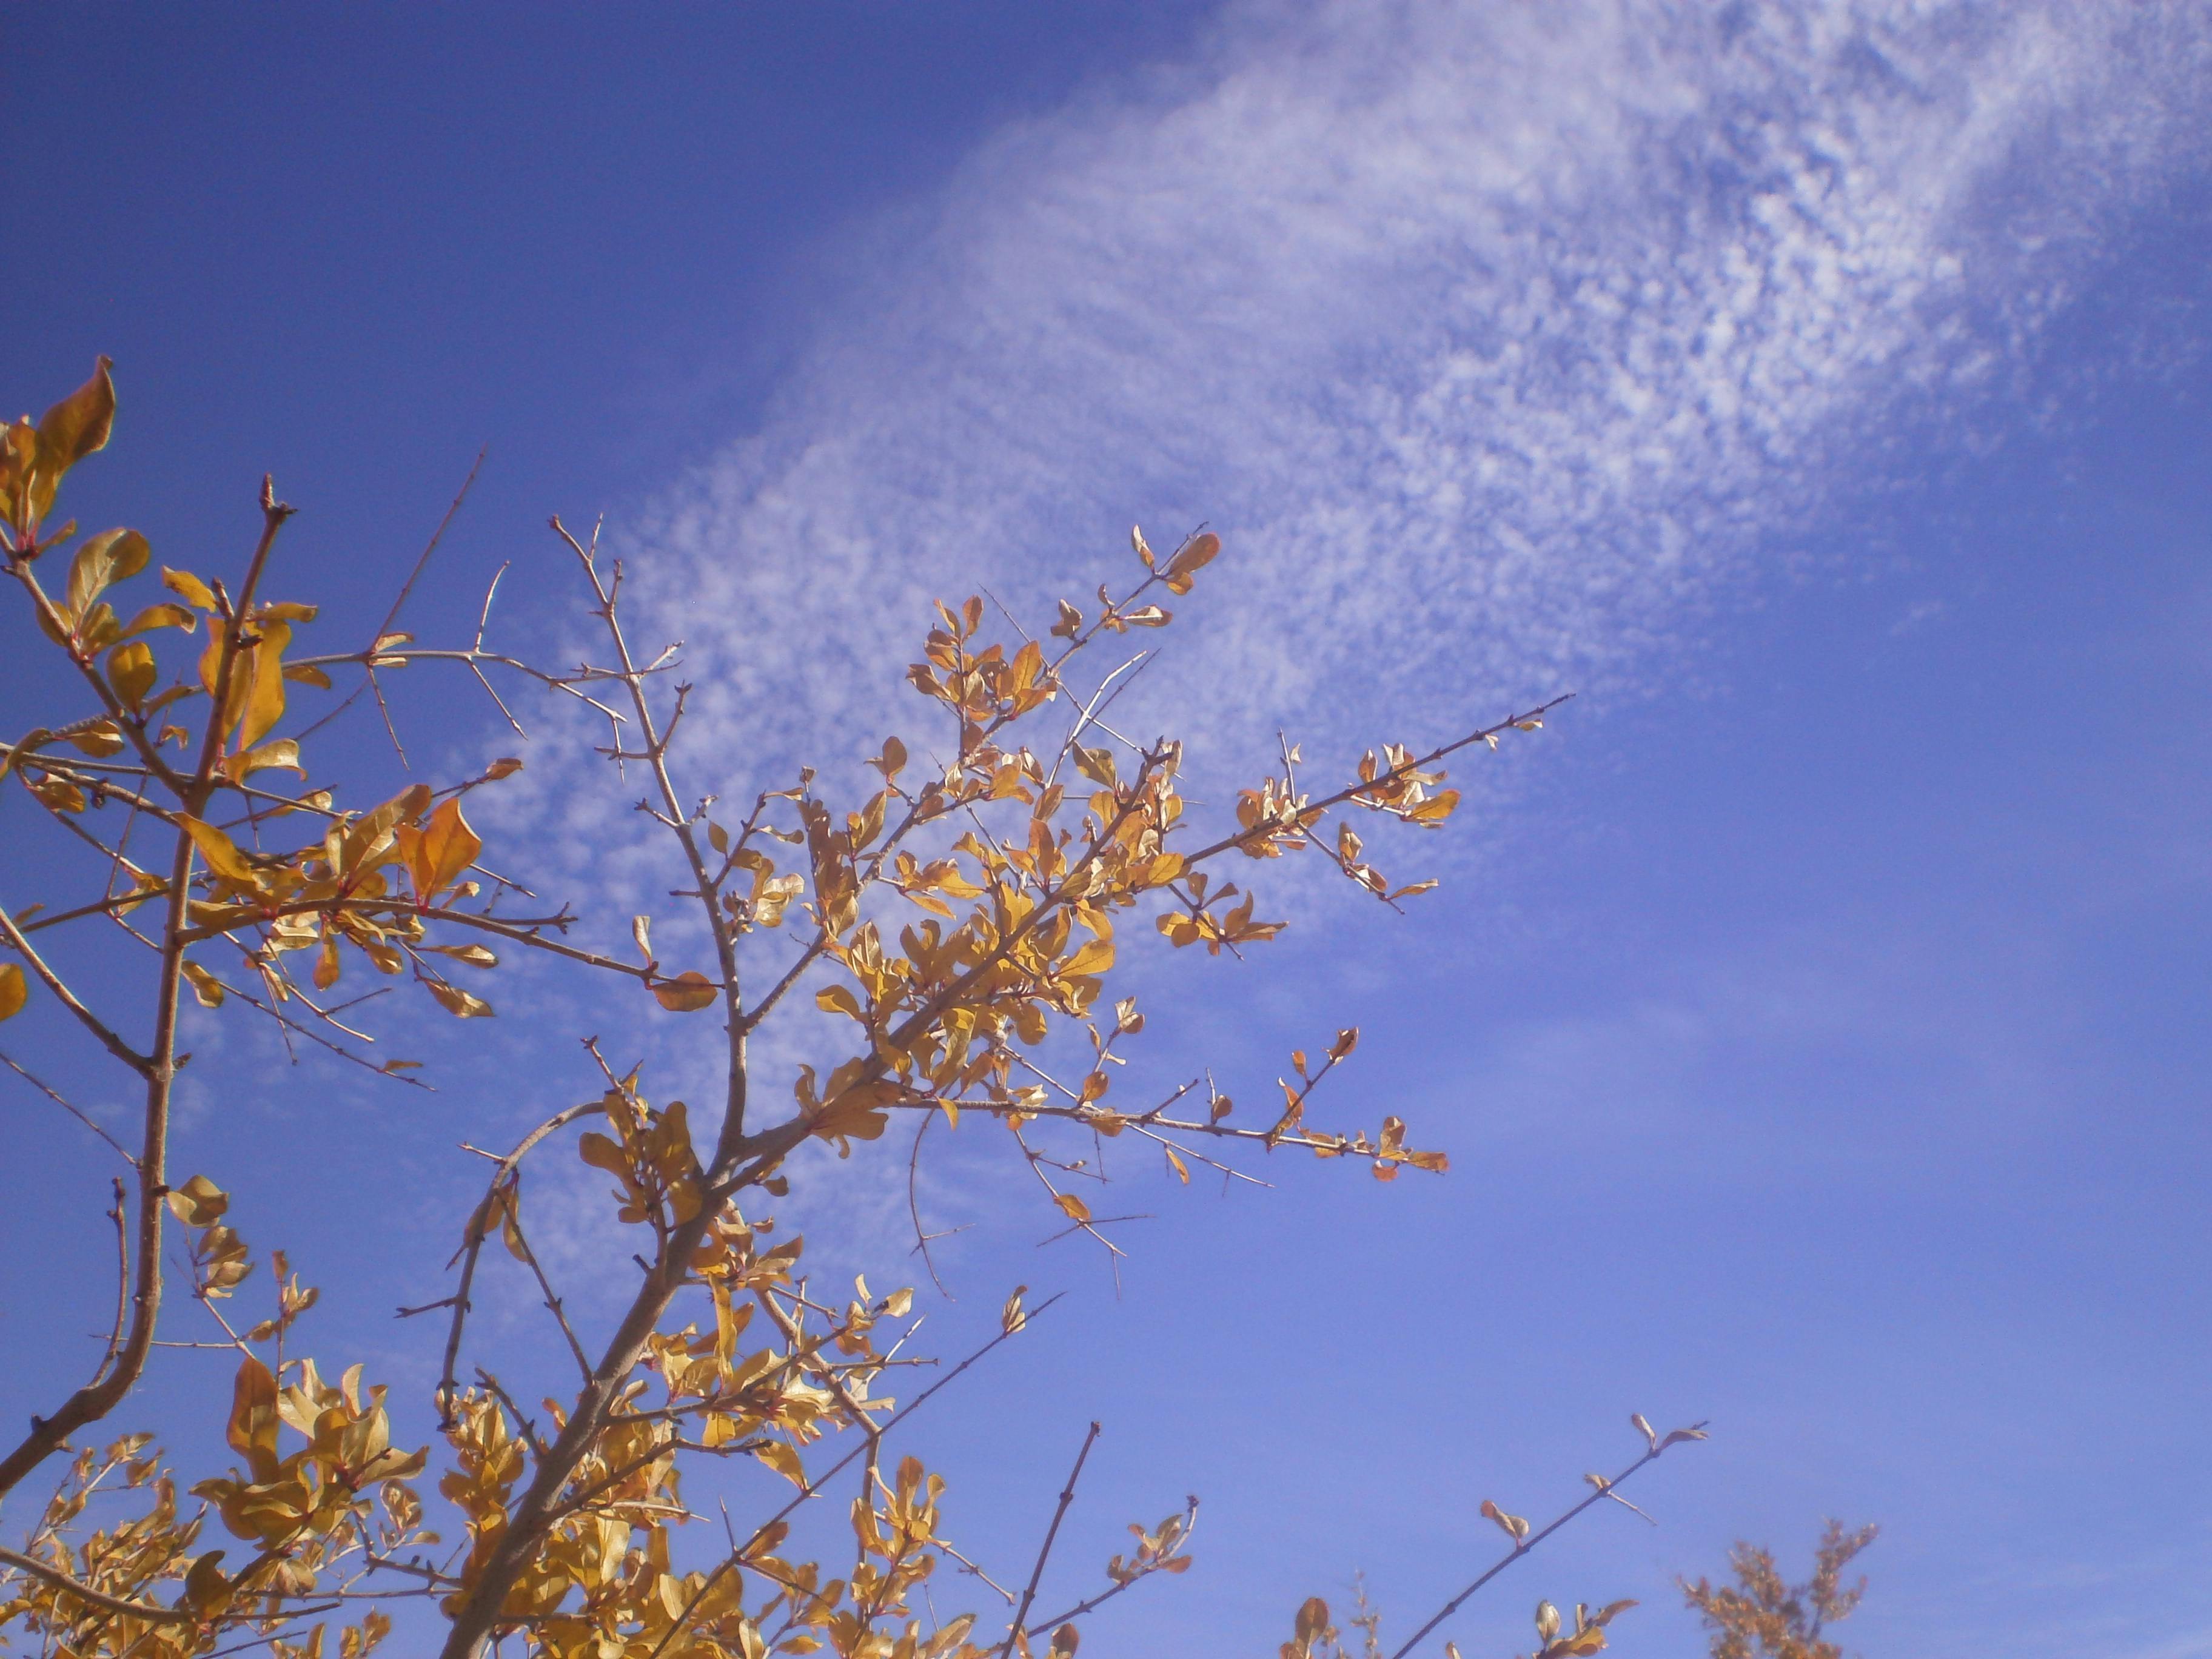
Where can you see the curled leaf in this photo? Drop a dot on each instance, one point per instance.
(460, 1004)
(199, 1203)
(206, 988)
(1513, 1526)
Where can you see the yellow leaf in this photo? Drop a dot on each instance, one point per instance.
(457, 1002)
(253, 1420)
(132, 671)
(1178, 1165)
(205, 987)
(306, 673)
(1095, 958)
(72, 429)
(15, 990)
(188, 587)
(160, 615)
(687, 993)
(1097, 764)
(199, 1203)
(220, 853)
(101, 737)
(264, 702)
(107, 557)
(281, 752)
(838, 999)
(784, 1461)
(1071, 1207)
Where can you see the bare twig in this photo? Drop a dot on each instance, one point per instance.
(1015, 1630)
(74, 1111)
(1523, 1546)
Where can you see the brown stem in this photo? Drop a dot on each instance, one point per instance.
(1521, 1547)
(96, 1398)
(479, 1615)
(1015, 1630)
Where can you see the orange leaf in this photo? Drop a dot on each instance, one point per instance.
(687, 993)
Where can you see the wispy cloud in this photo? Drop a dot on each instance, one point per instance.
(1491, 338)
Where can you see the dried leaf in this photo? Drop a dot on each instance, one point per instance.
(686, 993)
(206, 988)
(199, 1203)
(460, 1004)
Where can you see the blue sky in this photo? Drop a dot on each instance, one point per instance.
(1813, 1012)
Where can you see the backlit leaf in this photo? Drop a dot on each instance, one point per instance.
(220, 853)
(132, 671)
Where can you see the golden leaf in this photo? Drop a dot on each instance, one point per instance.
(457, 1002)
(1096, 957)
(205, 987)
(687, 993)
(220, 853)
(160, 615)
(784, 1461)
(15, 990)
(264, 690)
(253, 1430)
(1194, 556)
(72, 429)
(108, 557)
(132, 671)
(188, 587)
(1072, 1207)
(199, 1203)
(444, 848)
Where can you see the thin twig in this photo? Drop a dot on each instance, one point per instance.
(812, 1487)
(1521, 1547)
(75, 1111)
(1015, 1630)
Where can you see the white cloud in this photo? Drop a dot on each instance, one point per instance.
(1490, 336)
(1494, 339)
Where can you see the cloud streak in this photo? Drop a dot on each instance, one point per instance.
(1494, 340)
